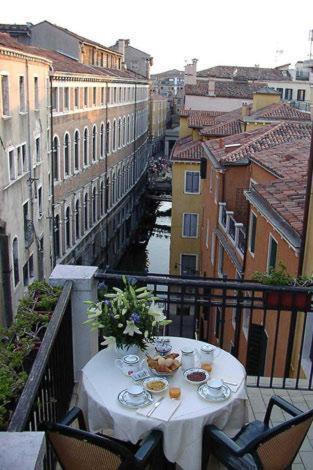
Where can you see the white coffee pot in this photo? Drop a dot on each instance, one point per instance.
(128, 364)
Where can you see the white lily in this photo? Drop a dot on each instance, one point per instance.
(157, 313)
(131, 328)
(108, 341)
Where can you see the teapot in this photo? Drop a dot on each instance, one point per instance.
(128, 364)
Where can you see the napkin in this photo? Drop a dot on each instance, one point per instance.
(233, 388)
(164, 411)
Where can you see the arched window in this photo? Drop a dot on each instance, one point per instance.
(124, 131)
(101, 140)
(101, 198)
(114, 136)
(86, 211)
(119, 140)
(94, 206)
(94, 142)
(113, 188)
(128, 129)
(76, 150)
(57, 236)
(15, 262)
(118, 186)
(77, 225)
(67, 228)
(86, 146)
(66, 155)
(55, 158)
(107, 138)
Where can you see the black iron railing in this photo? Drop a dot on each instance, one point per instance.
(48, 390)
(268, 328)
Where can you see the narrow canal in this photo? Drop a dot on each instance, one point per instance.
(150, 252)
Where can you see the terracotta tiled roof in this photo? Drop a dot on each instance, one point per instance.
(280, 112)
(262, 138)
(222, 129)
(187, 149)
(248, 73)
(287, 199)
(202, 118)
(288, 160)
(61, 63)
(230, 89)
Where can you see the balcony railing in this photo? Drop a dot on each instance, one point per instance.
(48, 390)
(232, 229)
(264, 326)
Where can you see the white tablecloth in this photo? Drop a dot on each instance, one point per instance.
(101, 382)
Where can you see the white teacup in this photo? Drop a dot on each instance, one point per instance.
(215, 386)
(135, 393)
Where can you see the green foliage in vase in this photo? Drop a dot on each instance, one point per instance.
(127, 316)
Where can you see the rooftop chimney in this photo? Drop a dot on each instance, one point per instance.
(245, 110)
(121, 44)
(211, 88)
(191, 73)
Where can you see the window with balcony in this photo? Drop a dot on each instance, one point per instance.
(39, 199)
(85, 96)
(288, 94)
(252, 232)
(190, 225)
(66, 155)
(11, 165)
(5, 95)
(220, 265)
(94, 143)
(192, 182)
(76, 150)
(85, 146)
(22, 94)
(36, 92)
(94, 94)
(66, 99)
(76, 97)
(232, 228)
(15, 256)
(223, 215)
(301, 95)
(54, 102)
(188, 265)
(272, 253)
(37, 150)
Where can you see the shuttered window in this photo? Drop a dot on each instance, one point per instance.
(192, 181)
(190, 225)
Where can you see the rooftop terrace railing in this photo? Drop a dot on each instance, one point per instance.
(268, 328)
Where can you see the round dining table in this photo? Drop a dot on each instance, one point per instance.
(101, 382)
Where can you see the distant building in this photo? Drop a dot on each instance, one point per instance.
(171, 85)
(25, 179)
(135, 60)
(50, 36)
(158, 116)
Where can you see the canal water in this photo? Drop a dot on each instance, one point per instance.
(150, 251)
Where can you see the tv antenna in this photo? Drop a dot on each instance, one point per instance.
(311, 43)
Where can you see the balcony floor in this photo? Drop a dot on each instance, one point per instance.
(258, 400)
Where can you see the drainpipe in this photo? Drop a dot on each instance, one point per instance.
(30, 175)
(306, 209)
(52, 171)
(106, 186)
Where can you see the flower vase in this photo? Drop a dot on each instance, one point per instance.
(127, 349)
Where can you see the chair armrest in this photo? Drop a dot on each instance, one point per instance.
(74, 413)
(283, 404)
(148, 446)
(218, 436)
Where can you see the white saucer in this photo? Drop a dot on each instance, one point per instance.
(205, 393)
(125, 399)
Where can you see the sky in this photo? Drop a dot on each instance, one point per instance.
(224, 32)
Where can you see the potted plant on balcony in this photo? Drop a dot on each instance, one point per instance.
(128, 317)
(280, 299)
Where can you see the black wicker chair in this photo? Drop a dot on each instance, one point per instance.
(257, 446)
(77, 449)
